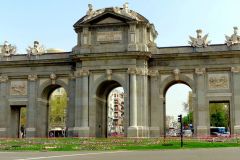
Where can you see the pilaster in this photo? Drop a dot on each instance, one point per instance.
(81, 128)
(31, 108)
(202, 109)
(4, 108)
(155, 101)
(236, 96)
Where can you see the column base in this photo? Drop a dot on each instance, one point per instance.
(30, 132)
(138, 131)
(78, 132)
(237, 130)
(133, 131)
(154, 132)
(3, 132)
(202, 131)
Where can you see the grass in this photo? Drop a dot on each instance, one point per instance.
(103, 144)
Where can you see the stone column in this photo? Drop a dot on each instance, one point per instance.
(202, 108)
(155, 108)
(4, 108)
(81, 128)
(133, 129)
(236, 97)
(31, 108)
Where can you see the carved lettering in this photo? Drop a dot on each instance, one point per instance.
(109, 36)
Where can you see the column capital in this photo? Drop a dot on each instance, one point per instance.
(81, 73)
(138, 71)
(235, 69)
(153, 72)
(3, 78)
(132, 71)
(200, 71)
(32, 77)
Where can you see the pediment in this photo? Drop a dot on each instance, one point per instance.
(109, 20)
(107, 17)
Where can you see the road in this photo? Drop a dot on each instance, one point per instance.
(183, 154)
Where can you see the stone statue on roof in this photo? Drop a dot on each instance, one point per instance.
(8, 49)
(234, 39)
(199, 41)
(90, 11)
(37, 49)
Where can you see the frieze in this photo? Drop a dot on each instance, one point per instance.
(218, 81)
(18, 88)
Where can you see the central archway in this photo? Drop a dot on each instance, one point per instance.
(178, 101)
(102, 108)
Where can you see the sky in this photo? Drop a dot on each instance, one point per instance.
(51, 21)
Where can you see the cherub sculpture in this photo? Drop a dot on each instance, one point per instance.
(199, 41)
(36, 49)
(234, 39)
(8, 49)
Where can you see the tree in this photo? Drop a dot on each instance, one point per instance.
(219, 115)
(58, 104)
(188, 107)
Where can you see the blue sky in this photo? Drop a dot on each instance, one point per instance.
(51, 21)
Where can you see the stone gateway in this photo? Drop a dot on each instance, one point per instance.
(115, 48)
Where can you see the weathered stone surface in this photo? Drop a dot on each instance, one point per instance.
(115, 48)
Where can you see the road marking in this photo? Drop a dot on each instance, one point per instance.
(70, 155)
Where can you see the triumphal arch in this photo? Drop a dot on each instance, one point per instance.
(115, 47)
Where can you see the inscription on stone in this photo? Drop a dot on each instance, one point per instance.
(218, 81)
(110, 36)
(18, 88)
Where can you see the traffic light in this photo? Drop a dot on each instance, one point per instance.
(180, 118)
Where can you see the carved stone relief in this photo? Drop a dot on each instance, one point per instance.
(218, 81)
(18, 88)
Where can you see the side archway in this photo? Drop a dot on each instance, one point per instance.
(46, 92)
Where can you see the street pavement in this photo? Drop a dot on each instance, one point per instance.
(181, 154)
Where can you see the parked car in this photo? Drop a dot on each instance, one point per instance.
(57, 132)
(219, 132)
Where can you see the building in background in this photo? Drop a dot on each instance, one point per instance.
(115, 113)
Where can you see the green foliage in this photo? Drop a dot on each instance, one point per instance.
(188, 119)
(219, 115)
(23, 116)
(57, 114)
